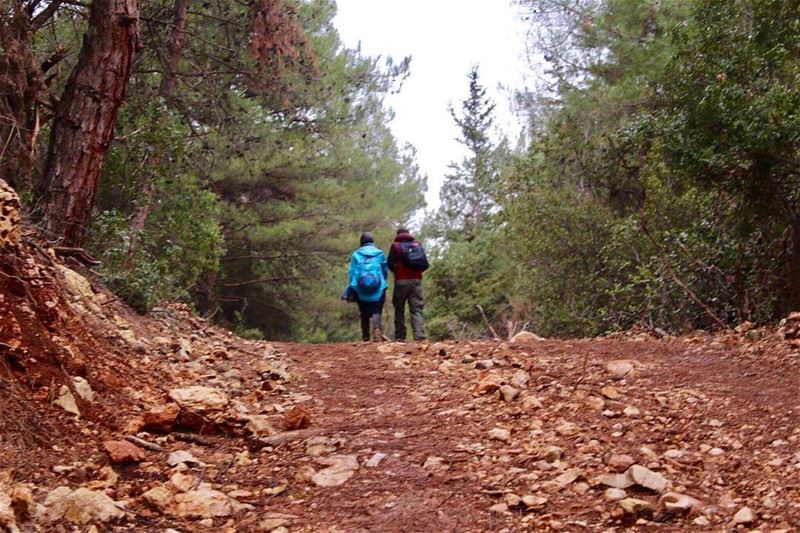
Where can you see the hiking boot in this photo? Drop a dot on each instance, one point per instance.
(377, 335)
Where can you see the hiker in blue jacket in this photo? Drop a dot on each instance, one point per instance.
(368, 273)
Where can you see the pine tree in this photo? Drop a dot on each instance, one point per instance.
(468, 193)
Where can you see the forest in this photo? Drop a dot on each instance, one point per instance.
(228, 154)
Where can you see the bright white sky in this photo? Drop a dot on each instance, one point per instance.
(445, 38)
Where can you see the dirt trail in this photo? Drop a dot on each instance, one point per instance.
(169, 421)
(443, 471)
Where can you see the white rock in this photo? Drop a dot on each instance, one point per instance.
(375, 460)
(636, 507)
(158, 497)
(631, 411)
(500, 434)
(525, 336)
(619, 368)
(201, 503)
(260, 425)
(529, 403)
(8, 519)
(200, 398)
(614, 495)
(66, 401)
(674, 501)
(744, 516)
(519, 379)
(617, 481)
(83, 389)
(181, 456)
(508, 393)
(644, 477)
(340, 469)
(83, 506)
(568, 477)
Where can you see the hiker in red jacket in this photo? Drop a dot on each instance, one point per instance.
(407, 260)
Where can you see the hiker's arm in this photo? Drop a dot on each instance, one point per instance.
(352, 272)
(392, 262)
(384, 268)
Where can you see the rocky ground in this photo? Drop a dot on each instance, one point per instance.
(116, 422)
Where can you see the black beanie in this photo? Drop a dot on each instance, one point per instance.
(366, 237)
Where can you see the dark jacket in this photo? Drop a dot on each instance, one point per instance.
(395, 260)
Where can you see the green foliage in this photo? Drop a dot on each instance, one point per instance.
(181, 241)
(661, 187)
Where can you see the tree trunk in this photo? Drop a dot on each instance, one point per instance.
(170, 79)
(166, 89)
(21, 86)
(84, 123)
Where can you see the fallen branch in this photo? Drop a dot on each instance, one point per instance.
(78, 253)
(191, 437)
(144, 444)
(488, 325)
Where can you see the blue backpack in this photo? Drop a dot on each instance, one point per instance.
(369, 277)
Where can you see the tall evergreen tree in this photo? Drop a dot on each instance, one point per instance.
(468, 192)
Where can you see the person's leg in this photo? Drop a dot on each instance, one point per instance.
(363, 310)
(416, 302)
(365, 327)
(377, 321)
(399, 296)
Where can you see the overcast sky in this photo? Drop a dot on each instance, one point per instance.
(445, 38)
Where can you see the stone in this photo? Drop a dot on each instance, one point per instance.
(636, 507)
(489, 384)
(568, 477)
(83, 389)
(620, 368)
(531, 501)
(619, 462)
(614, 495)
(182, 482)
(567, 429)
(519, 379)
(680, 503)
(701, 521)
(644, 477)
(81, 506)
(631, 411)
(9, 215)
(508, 393)
(272, 521)
(529, 403)
(181, 456)
(617, 481)
(744, 516)
(22, 501)
(122, 451)
(499, 508)
(501, 434)
(161, 419)
(66, 401)
(610, 392)
(201, 503)
(524, 337)
(340, 469)
(80, 289)
(512, 500)
(484, 364)
(260, 426)
(298, 417)
(553, 453)
(8, 518)
(375, 460)
(199, 398)
(158, 497)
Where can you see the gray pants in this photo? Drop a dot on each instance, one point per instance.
(408, 290)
